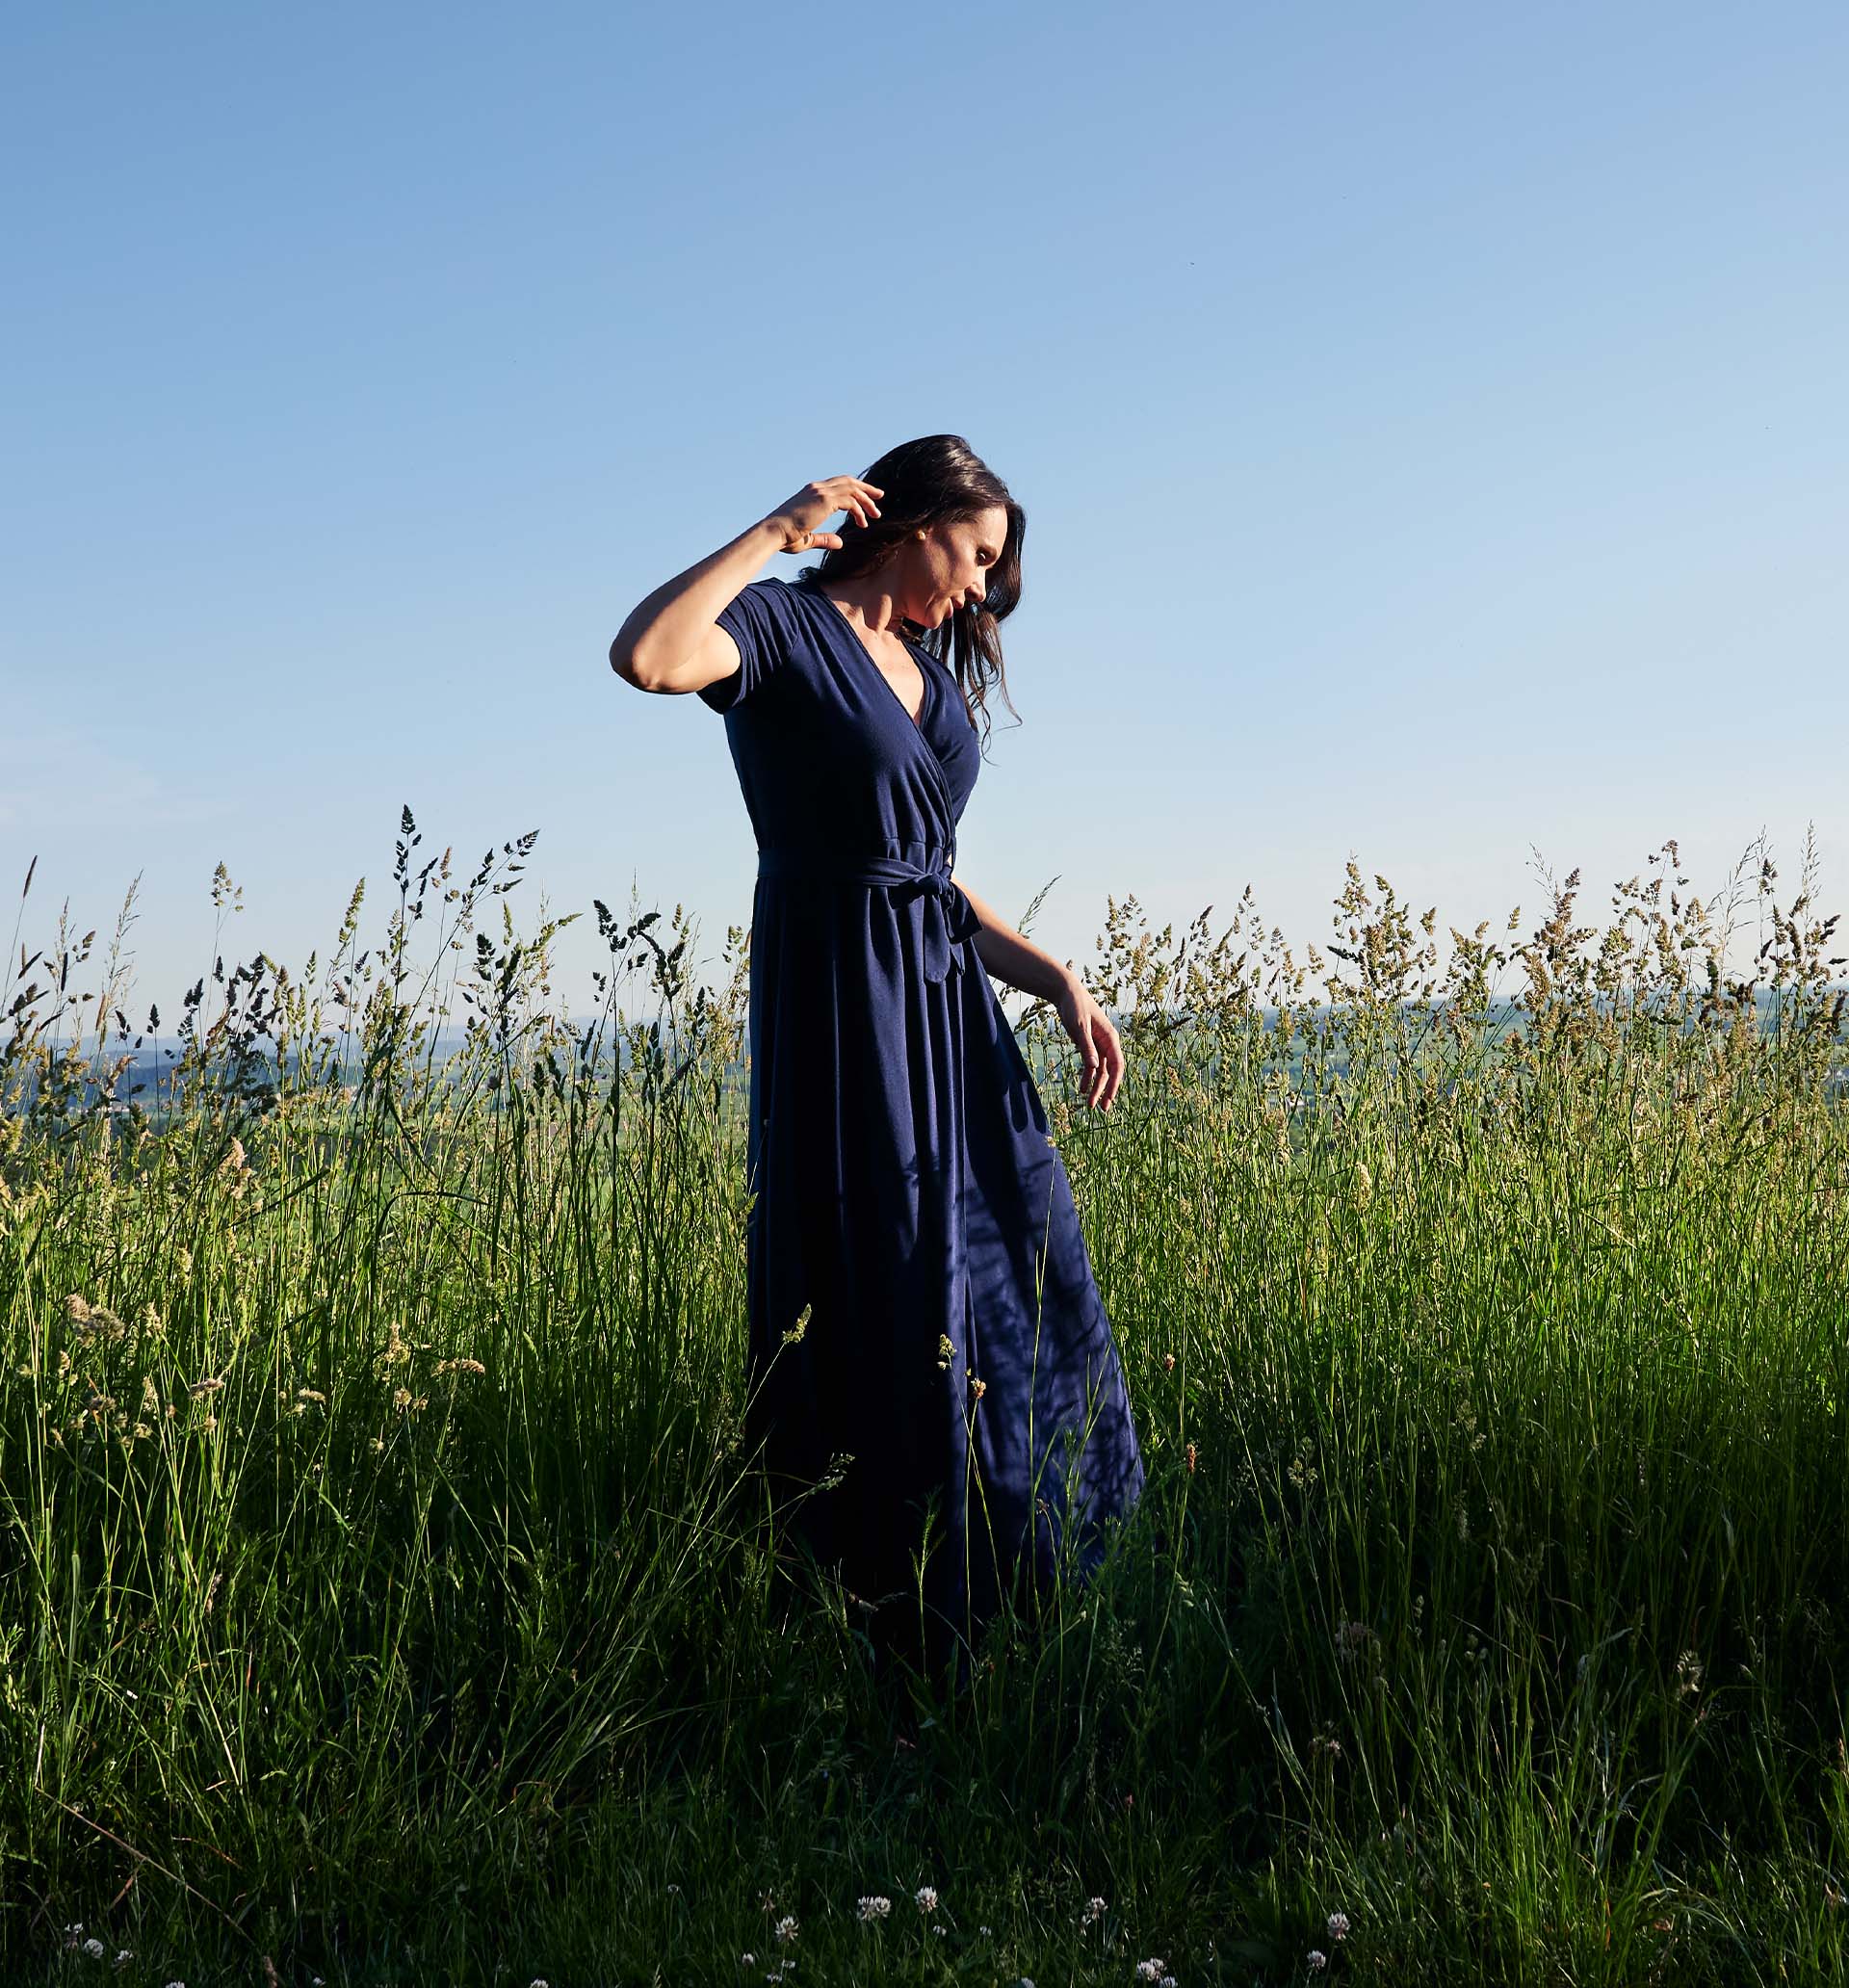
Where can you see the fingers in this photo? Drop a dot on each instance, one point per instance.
(860, 498)
(1101, 1056)
(1104, 1067)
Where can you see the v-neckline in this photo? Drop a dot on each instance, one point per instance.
(848, 628)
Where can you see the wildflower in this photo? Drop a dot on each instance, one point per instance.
(1094, 1909)
(925, 1899)
(73, 1935)
(123, 1958)
(1168, 1363)
(1149, 1970)
(94, 1948)
(787, 1928)
(1318, 1960)
(1337, 1925)
(875, 1908)
(978, 1387)
(1351, 1638)
(748, 1960)
(401, 1397)
(95, 1322)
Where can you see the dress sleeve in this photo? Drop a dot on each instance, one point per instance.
(753, 620)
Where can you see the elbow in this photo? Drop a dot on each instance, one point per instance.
(622, 660)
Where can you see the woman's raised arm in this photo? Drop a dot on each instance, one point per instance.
(671, 641)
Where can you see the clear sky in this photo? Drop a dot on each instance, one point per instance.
(1431, 421)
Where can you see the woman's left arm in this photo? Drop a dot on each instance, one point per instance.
(1011, 958)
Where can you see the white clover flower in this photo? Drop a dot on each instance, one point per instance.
(1318, 1960)
(748, 1960)
(787, 1928)
(1149, 1970)
(123, 1957)
(925, 1899)
(94, 1948)
(1337, 1925)
(1167, 1981)
(875, 1907)
(1094, 1909)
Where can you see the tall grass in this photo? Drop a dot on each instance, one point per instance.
(385, 1595)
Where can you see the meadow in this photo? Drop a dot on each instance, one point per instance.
(384, 1596)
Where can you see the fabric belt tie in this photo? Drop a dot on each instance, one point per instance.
(949, 918)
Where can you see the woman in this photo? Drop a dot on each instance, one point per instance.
(921, 1299)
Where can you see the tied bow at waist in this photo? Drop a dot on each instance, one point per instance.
(949, 918)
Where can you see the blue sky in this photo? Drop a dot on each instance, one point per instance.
(1431, 421)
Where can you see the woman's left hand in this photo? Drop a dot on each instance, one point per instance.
(1089, 1027)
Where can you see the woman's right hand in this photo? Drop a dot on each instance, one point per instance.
(798, 517)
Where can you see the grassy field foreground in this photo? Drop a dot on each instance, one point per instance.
(382, 1596)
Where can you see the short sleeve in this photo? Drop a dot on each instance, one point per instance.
(756, 619)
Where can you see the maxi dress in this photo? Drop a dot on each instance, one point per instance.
(956, 1373)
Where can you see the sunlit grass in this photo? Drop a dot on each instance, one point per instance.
(383, 1593)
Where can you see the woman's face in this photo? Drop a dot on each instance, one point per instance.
(948, 567)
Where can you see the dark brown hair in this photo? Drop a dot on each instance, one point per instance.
(937, 480)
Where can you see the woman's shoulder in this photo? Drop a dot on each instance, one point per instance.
(771, 591)
(770, 610)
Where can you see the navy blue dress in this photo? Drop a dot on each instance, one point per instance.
(907, 1193)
